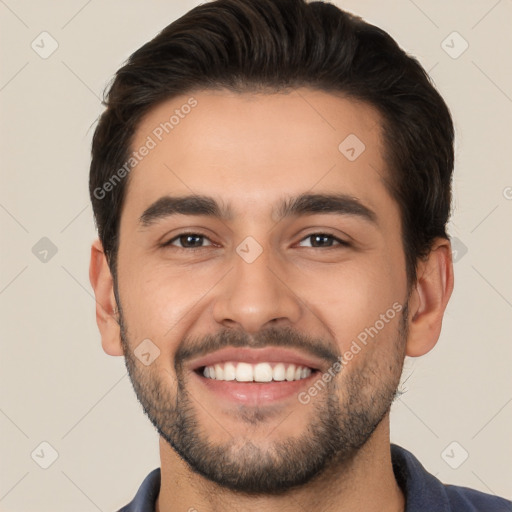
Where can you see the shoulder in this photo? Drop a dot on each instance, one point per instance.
(145, 499)
(465, 499)
(424, 491)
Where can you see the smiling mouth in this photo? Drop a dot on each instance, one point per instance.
(256, 377)
(260, 372)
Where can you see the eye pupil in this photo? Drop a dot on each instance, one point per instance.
(321, 240)
(191, 240)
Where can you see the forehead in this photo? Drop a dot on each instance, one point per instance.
(249, 149)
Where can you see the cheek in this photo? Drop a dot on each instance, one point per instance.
(161, 302)
(351, 297)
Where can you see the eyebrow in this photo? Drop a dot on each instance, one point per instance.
(304, 204)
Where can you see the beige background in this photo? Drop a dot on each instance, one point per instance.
(57, 384)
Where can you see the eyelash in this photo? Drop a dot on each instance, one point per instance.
(341, 243)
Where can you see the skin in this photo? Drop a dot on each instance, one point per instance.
(249, 151)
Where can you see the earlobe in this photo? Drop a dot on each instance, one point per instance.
(106, 307)
(429, 298)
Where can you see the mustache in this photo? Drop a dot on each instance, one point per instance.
(193, 347)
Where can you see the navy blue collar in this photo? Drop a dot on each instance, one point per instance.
(423, 492)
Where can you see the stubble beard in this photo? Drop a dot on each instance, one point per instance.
(341, 420)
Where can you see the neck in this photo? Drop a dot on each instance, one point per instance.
(366, 484)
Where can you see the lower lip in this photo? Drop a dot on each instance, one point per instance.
(255, 393)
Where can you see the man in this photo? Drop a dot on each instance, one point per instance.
(271, 183)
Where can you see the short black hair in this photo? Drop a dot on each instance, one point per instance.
(276, 46)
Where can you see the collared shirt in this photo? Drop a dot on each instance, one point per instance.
(423, 492)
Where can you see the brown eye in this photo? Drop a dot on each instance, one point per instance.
(189, 241)
(319, 240)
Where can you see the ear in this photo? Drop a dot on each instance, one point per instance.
(106, 307)
(429, 298)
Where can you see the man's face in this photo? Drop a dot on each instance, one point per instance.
(264, 286)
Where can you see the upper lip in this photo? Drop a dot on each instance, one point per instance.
(268, 354)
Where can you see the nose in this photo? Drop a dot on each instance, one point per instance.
(256, 295)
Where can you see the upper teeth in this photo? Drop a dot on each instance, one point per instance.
(261, 372)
